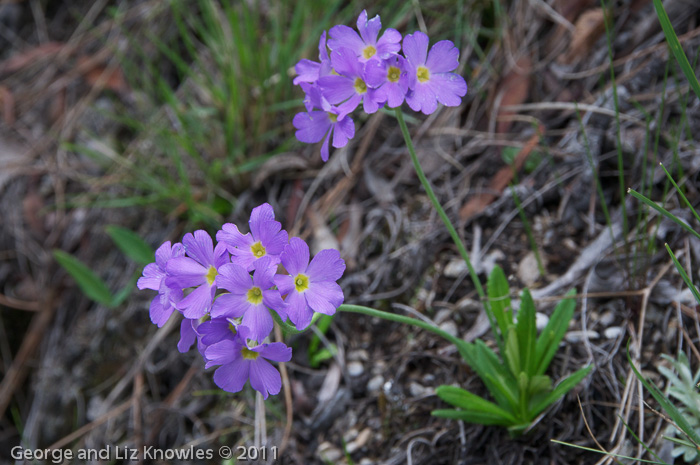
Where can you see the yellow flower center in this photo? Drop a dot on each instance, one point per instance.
(393, 74)
(368, 52)
(360, 86)
(254, 295)
(423, 74)
(211, 275)
(258, 250)
(301, 282)
(249, 354)
(333, 117)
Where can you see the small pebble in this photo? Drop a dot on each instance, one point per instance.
(360, 441)
(449, 327)
(577, 336)
(375, 384)
(418, 390)
(613, 332)
(541, 321)
(327, 452)
(355, 368)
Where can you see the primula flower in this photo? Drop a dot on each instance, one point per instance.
(240, 362)
(348, 88)
(249, 299)
(365, 45)
(198, 269)
(188, 334)
(265, 239)
(154, 274)
(389, 78)
(309, 71)
(216, 330)
(319, 125)
(310, 287)
(430, 79)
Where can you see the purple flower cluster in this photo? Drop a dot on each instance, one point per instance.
(367, 68)
(227, 293)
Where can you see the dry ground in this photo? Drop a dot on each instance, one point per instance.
(77, 374)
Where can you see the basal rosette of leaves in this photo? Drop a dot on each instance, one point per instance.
(516, 379)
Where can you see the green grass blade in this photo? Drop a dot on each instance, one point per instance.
(131, 244)
(663, 211)
(680, 192)
(91, 284)
(684, 275)
(675, 46)
(576, 446)
(666, 404)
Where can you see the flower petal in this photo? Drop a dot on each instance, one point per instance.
(200, 247)
(158, 312)
(311, 127)
(264, 378)
(198, 302)
(230, 306)
(232, 376)
(259, 321)
(230, 235)
(295, 257)
(324, 297)
(443, 57)
(415, 48)
(298, 311)
(422, 98)
(449, 88)
(187, 336)
(276, 351)
(344, 36)
(222, 353)
(326, 266)
(184, 272)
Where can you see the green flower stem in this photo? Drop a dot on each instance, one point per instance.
(463, 346)
(453, 232)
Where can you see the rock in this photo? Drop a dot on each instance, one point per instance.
(528, 271)
(577, 336)
(375, 384)
(327, 452)
(355, 368)
(613, 332)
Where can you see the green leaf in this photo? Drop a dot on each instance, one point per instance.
(666, 404)
(675, 46)
(471, 402)
(480, 418)
(512, 352)
(527, 333)
(539, 384)
(553, 333)
(91, 285)
(663, 211)
(499, 300)
(562, 388)
(322, 355)
(131, 244)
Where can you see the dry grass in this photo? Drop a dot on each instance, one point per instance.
(75, 374)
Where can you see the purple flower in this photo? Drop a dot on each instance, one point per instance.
(389, 78)
(199, 270)
(309, 71)
(430, 79)
(249, 299)
(365, 45)
(310, 287)
(154, 274)
(188, 334)
(216, 330)
(316, 126)
(348, 88)
(265, 239)
(239, 362)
